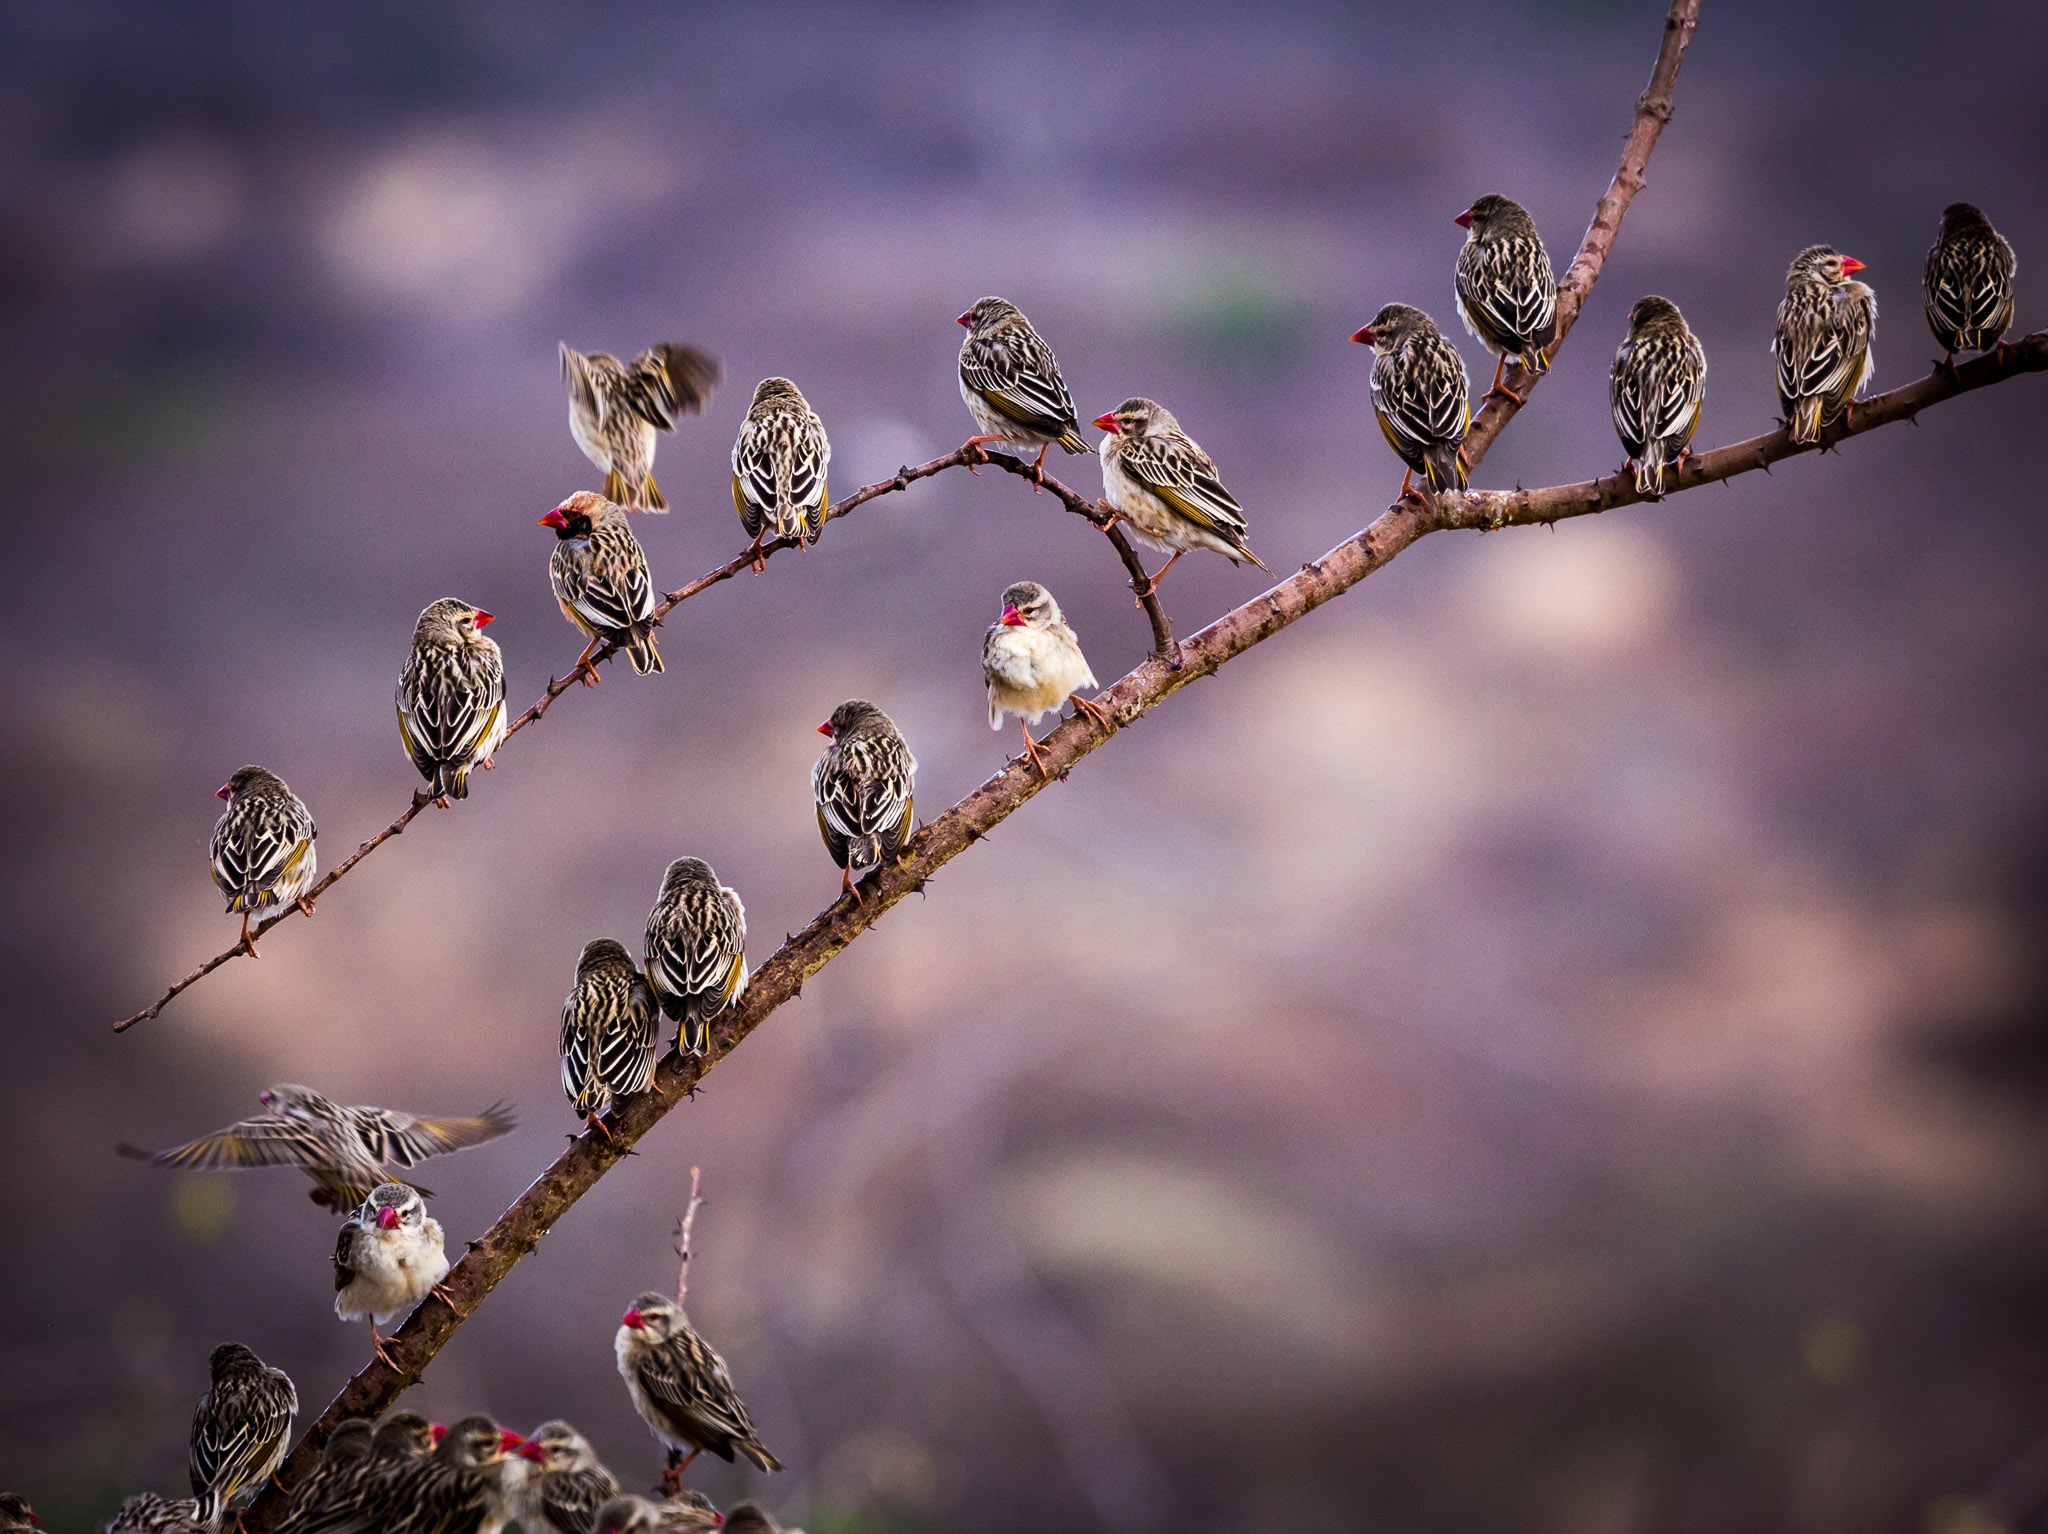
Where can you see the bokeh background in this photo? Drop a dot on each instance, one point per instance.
(1554, 1042)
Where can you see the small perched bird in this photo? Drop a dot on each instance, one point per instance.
(148, 1513)
(863, 784)
(778, 468)
(681, 1388)
(15, 1513)
(325, 1487)
(1656, 390)
(1969, 283)
(451, 697)
(696, 950)
(1011, 383)
(687, 1512)
(387, 1259)
(752, 1518)
(344, 1150)
(1157, 478)
(382, 1487)
(1826, 327)
(240, 1431)
(599, 572)
(616, 408)
(1032, 663)
(608, 1031)
(262, 852)
(465, 1486)
(565, 1487)
(1419, 396)
(1507, 293)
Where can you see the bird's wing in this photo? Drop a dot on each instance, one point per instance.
(666, 381)
(585, 397)
(231, 1440)
(686, 1373)
(691, 948)
(401, 1139)
(571, 1498)
(1508, 284)
(1817, 353)
(1019, 377)
(1176, 470)
(450, 702)
(268, 1140)
(345, 1252)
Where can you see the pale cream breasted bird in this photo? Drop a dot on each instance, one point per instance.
(616, 408)
(779, 465)
(388, 1257)
(1031, 663)
(1011, 384)
(681, 1387)
(241, 1430)
(599, 574)
(262, 853)
(1158, 481)
(451, 697)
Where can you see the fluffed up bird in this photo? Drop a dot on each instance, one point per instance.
(324, 1489)
(240, 1431)
(608, 1031)
(1656, 389)
(599, 572)
(1032, 663)
(864, 785)
(1419, 396)
(1011, 383)
(1507, 293)
(681, 1388)
(451, 697)
(466, 1485)
(344, 1150)
(778, 468)
(1157, 478)
(687, 1512)
(1969, 283)
(388, 1257)
(1827, 325)
(616, 408)
(148, 1513)
(566, 1484)
(15, 1513)
(262, 852)
(696, 950)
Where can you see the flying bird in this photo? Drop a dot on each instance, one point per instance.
(566, 1484)
(616, 408)
(1507, 293)
(262, 853)
(1656, 389)
(240, 1432)
(599, 573)
(387, 1258)
(1032, 663)
(681, 1388)
(696, 950)
(778, 468)
(1826, 327)
(1419, 396)
(1157, 478)
(608, 1031)
(451, 697)
(1011, 384)
(1968, 283)
(864, 785)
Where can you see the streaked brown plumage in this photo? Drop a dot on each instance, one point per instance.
(616, 408)
(680, 1386)
(608, 1030)
(779, 464)
(1031, 663)
(696, 950)
(599, 574)
(1158, 481)
(567, 1484)
(240, 1431)
(464, 1486)
(864, 785)
(752, 1518)
(1827, 325)
(148, 1513)
(687, 1512)
(1011, 383)
(1968, 282)
(320, 1494)
(15, 1513)
(380, 1488)
(1656, 389)
(262, 853)
(451, 697)
(1507, 293)
(1419, 395)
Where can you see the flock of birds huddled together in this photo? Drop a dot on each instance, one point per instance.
(407, 1475)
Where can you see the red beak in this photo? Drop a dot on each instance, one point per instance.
(436, 1432)
(1464, 220)
(967, 318)
(221, 792)
(633, 1318)
(387, 1218)
(1363, 335)
(1105, 422)
(483, 617)
(508, 1441)
(826, 730)
(534, 1452)
(1851, 266)
(1011, 617)
(264, 1098)
(555, 519)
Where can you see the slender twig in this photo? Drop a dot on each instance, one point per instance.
(683, 1240)
(590, 1155)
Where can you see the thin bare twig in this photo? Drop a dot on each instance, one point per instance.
(683, 1241)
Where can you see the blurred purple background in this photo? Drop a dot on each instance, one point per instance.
(1555, 1042)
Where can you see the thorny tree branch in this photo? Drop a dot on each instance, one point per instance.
(591, 1154)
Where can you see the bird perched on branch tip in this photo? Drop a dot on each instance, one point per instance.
(262, 853)
(864, 785)
(616, 408)
(682, 1389)
(1656, 389)
(599, 574)
(1419, 396)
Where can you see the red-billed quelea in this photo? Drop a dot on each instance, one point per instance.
(1157, 479)
(681, 1388)
(615, 408)
(451, 697)
(779, 463)
(1656, 389)
(864, 786)
(344, 1150)
(1507, 293)
(148, 1513)
(240, 1431)
(1011, 383)
(687, 1512)
(1968, 282)
(324, 1489)
(388, 1257)
(262, 852)
(1419, 396)
(1032, 663)
(381, 1487)
(696, 950)
(609, 1028)
(565, 1483)
(1826, 327)
(599, 573)
(466, 1485)
(753, 1518)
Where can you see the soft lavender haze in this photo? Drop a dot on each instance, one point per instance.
(1556, 1042)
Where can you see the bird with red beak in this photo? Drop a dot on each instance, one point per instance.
(682, 1390)
(451, 698)
(1157, 479)
(1827, 328)
(262, 854)
(1010, 382)
(387, 1258)
(1031, 663)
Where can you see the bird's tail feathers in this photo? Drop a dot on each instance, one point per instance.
(1805, 422)
(1248, 554)
(863, 852)
(1071, 441)
(653, 500)
(1535, 360)
(615, 487)
(1650, 470)
(641, 652)
(1443, 465)
(693, 1034)
(209, 1507)
(760, 1456)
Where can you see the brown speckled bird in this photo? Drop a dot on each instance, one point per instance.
(148, 1513)
(566, 1484)
(1656, 389)
(1968, 283)
(324, 1488)
(1507, 293)
(599, 573)
(1031, 662)
(687, 1512)
(752, 1518)
(616, 408)
(1158, 481)
(240, 1431)
(696, 950)
(1826, 327)
(15, 1513)
(608, 1031)
(681, 1388)
(1419, 396)
(466, 1485)
(381, 1487)
(864, 784)
(779, 464)
(451, 697)
(1011, 384)
(262, 852)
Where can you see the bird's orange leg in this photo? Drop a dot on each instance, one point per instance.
(847, 887)
(672, 1477)
(377, 1345)
(598, 1124)
(1038, 472)
(1500, 369)
(1115, 516)
(1031, 749)
(980, 454)
(1093, 710)
(1152, 581)
(249, 938)
(589, 676)
(754, 555)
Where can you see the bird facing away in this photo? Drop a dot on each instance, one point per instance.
(1656, 389)
(752, 1518)
(465, 1486)
(1507, 293)
(608, 1031)
(148, 1513)
(1419, 396)
(696, 950)
(324, 1489)
(1827, 325)
(387, 1258)
(451, 697)
(262, 852)
(1011, 383)
(687, 1512)
(565, 1484)
(1969, 282)
(599, 572)
(240, 1431)
(382, 1487)
(15, 1513)
(681, 1388)
(344, 1150)
(1032, 663)
(616, 408)
(779, 463)
(864, 786)
(1157, 478)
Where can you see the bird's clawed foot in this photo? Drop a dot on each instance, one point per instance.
(1115, 516)
(249, 938)
(305, 904)
(1031, 751)
(384, 1356)
(1038, 473)
(1504, 392)
(1095, 711)
(1151, 586)
(446, 1296)
(848, 887)
(754, 555)
(977, 454)
(598, 1124)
